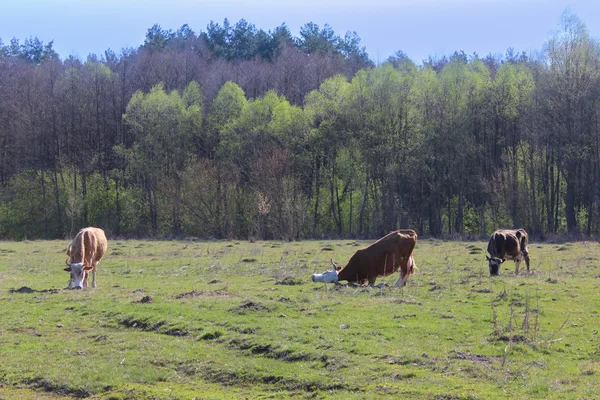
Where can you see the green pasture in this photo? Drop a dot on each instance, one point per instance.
(229, 319)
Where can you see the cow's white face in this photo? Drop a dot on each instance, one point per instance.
(78, 274)
(326, 277)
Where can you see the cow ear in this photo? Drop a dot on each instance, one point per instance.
(501, 261)
(68, 269)
(487, 258)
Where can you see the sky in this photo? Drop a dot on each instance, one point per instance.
(419, 28)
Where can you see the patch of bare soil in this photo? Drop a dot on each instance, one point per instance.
(191, 294)
(402, 360)
(459, 355)
(146, 299)
(151, 326)
(437, 287)
(273, 351)
(22, 289)
(249, 306)
(404, 301)
(202, 293)
(243, 378)
(58, 388)
(25, 289)
(405, 316)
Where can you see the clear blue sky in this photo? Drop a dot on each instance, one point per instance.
(420, 28)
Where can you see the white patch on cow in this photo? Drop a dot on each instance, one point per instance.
(326, 277)
(78, 276)
(400, 281)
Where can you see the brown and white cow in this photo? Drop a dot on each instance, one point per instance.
(85, 251)
(507, 244)
(384, 257)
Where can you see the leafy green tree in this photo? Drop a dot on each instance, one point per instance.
(510, 95)
(570, 107)
(164, 126)
(327, 107)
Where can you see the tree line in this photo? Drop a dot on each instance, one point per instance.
(240, 133)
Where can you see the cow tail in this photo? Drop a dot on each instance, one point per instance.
(94, 242)
(82, 247)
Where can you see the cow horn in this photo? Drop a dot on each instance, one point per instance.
(335, 266)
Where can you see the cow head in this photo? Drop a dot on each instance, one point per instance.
(494, 264)
(79, 274)
(328, 276)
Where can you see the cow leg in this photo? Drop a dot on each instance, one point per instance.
(526, 256)
(94, 277)
(85, 279)
(517, 262)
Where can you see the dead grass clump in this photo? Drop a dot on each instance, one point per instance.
(50, 386)
(191, 294)
(404, 301)
(290, 281)
(249, 306)
(482, 291)
(459, 355)
(437, 287)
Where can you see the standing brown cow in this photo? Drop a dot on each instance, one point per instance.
(382, 258)
(507, 244)
(85, 251)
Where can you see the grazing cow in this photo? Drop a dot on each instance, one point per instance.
(507, 244)
(382, 258)
(85, 251)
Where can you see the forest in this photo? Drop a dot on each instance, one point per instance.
(240, 133)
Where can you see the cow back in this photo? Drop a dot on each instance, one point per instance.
(381, 258)
(88, 246)
(506, 241)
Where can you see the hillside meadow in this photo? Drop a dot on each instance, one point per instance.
(233, 319)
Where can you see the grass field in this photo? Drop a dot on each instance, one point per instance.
(228, 319)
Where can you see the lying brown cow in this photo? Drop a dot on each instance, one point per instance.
(85, 251)
(507, 244)
(382, 258)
